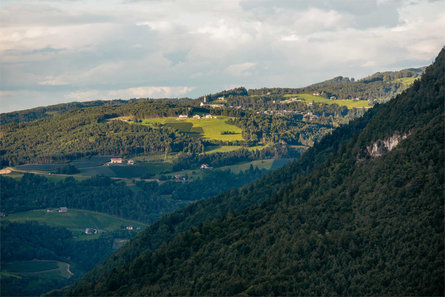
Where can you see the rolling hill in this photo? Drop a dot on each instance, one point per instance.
(360, 214)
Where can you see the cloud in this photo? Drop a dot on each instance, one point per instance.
(240, 69)
(79, 50)
(52, 81)
(138, 92)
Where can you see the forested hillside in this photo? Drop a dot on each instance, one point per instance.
(83, 133)
(146, 202)
(71, 131)
(358, 221)
(379, 87)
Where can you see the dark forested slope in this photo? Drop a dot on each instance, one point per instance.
(367, 221)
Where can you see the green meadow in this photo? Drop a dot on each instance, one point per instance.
(406, 80)
(267, 164)
(75, 220)
(317, 99)
(210, 129)
(41, 268)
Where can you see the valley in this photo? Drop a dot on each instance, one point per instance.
(168, 164)
(340, 220)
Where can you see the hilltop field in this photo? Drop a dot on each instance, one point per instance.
(208, 129)
(309, 98)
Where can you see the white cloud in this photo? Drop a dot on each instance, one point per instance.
(241, 69)
(157, 25)
(138, 92)
(52, 81)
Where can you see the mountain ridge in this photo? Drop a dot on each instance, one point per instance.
(35, 113)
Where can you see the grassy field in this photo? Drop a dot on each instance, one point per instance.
(229, 148)
(39, 167)
(40, 268)
(343, 102)
(267, 164)
(210, 129)
(52, 177)
(75, 220)
(406, 80)
(222, 148)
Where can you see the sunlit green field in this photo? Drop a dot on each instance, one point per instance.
(406, 80)
(343, 102)
(210, 129)
(222, 148)
(75, 220)
(267, 164)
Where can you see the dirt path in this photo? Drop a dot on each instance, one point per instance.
(69, 271)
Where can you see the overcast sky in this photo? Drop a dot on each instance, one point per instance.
(68, 50)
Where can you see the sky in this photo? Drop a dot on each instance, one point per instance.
(59, 51)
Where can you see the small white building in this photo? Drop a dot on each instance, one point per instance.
(183, 117)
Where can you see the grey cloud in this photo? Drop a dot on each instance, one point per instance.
(46, 50)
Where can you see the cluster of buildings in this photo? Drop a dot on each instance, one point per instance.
(335, 97)
(306, 115)
(212, 105)
(60, 209)
(196, 117)
(120, 161)
(91, 231)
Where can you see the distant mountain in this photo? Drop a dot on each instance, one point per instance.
(361, 213)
